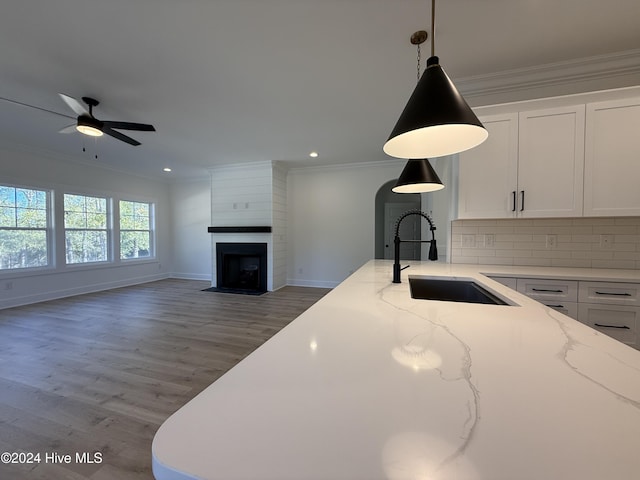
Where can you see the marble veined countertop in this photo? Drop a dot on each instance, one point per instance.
(372, 384)
(565, 273)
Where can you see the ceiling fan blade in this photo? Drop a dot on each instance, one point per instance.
(69, 129)
(73, 104)
(130, 126)
(33, 106)
(120, 136)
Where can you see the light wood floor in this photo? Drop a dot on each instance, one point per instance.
(101, 372)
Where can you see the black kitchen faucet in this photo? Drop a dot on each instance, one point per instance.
(433, 249)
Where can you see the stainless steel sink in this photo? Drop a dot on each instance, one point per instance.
(452, 290)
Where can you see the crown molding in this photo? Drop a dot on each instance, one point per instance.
(598, 67)
(387, 163)
(239, 166)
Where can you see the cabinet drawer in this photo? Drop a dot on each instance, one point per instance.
(609, 293)
(570, 309)
(551, 290)
(617, 321)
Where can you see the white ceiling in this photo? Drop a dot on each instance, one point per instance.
(228, 81)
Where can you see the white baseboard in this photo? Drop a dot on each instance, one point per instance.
(191, 276)
(98, 287)
(70, 292)
(296, 282)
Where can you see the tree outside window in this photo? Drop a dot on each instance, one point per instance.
(23, 227)
(85, 223)
(136, 239)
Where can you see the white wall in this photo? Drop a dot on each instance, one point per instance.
(191, 215)
(26, 167)
(331, 220)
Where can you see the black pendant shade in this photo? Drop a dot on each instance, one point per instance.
(437, 121)
(418, 176)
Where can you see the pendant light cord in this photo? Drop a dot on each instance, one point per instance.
(433, 27)
(418, 73)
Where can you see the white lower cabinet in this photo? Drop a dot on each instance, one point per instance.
(546, 289)
(561, 295)
(612, 308)
(617, 321)
(570, 309)
(612, 293)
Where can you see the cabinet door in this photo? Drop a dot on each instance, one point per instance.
(612, 158)
(488, 172)
(551, 162)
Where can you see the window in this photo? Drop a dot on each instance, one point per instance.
(85, 223)
(136, 223)
(23, 228)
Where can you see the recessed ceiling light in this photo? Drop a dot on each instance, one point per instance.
(166, 169)
(313, 154)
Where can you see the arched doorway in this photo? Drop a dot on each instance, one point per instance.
(389, 206)
(440, 205)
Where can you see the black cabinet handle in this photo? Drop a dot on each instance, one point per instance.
(625, 294)
(514, 201)
(556, 306)
(623, 327)
(546, 290)
(522, 201)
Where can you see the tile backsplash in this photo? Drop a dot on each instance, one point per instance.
(607, 242)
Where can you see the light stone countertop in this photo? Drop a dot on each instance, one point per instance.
(372, 384)
(565, 273)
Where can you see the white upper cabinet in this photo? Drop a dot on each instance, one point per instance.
(612, 158)
(571, 156)
(489, 170)
(550, 162)
(530, 166)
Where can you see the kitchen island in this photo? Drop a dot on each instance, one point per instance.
(372, 384)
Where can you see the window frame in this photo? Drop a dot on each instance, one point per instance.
(151, 230)
(48, 229)
(108, 230)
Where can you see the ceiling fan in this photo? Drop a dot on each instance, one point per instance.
(90, 125)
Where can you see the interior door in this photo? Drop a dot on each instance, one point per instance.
(409, 230)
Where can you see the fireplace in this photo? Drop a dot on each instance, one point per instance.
(241, 267)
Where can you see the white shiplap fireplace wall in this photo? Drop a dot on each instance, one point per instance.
(252, 194)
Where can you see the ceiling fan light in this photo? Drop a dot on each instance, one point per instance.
(418, 176)
(89, 130)
(89, 126)
(436, 121)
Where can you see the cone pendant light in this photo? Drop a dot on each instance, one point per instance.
(418, 176)
(437, 120)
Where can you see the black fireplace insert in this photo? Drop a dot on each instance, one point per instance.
(241, 267)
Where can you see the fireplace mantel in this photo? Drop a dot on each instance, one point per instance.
(240, 229)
